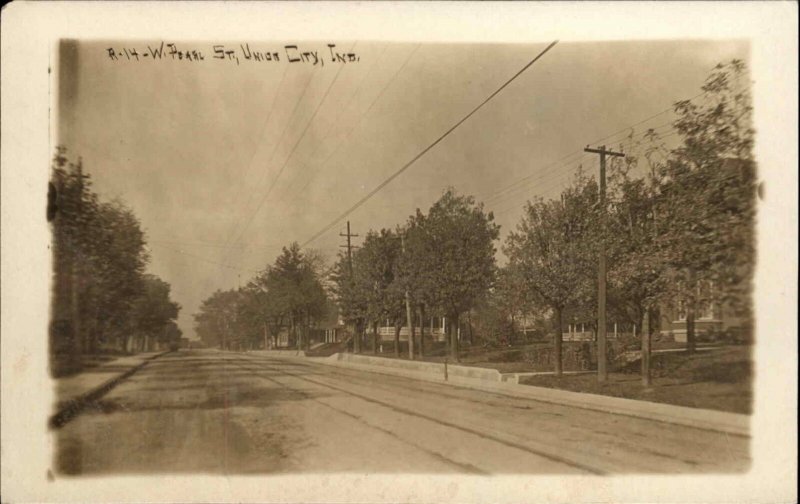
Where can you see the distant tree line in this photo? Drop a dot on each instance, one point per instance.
(102, 298)
(287, 295)
(682, 233)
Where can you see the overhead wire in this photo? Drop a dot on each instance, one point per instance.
(272, 155)
(204, 259)
(364, 115)
(563, 177)
(335, 120)
(366, 112)
(291, 153)
(523, 184)
(424, 151)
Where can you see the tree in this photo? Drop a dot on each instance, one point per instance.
(638, 277)
(153, 312)
(351, 301)
(707, 196)
(99, 261)
(460, 254)
(375, 270)
(415, 270)
(214, 321)
(295, 292)
(553, 252)
(116, 265)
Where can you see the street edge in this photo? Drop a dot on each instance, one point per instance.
(705, 419)
(75, 405)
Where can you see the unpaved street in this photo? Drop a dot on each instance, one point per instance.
(234, 413)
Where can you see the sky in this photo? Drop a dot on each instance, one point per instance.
(226, 160)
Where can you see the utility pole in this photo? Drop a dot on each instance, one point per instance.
(409, 318)
(602, 370)
(349, 247)
(76, 283)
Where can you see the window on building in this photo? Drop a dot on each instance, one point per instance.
(681, 310)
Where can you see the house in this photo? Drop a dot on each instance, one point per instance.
(712, 319)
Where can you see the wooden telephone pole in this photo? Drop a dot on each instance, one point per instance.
(76, 274)
(602, 369)
(409, 318)
(350, 247)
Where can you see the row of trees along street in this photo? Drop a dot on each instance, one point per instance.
(679, 230)
(103, 301)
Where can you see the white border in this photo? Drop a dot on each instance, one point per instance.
(29, 34)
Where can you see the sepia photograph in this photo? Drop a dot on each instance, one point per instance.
(358, 256)
(319, 256)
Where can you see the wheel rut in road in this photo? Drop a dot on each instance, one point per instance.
(404, 411)
(469, 468)
(605, 442)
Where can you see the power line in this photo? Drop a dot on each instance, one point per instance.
(272, 155)
(291, 153)
(346, 106)
(424, 151)
(264, 126)
(528, 178)
(364, 115)
(204, 259)
(558, 162)
(503, 195)
(564, 176)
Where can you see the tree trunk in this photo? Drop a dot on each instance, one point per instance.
(76, 345)
(453, 330)
(690, 333)
(422, 330)
(691, 300)
(646, 380)
(93, 340)
(307, 333)
(397, 328)
(557, 342)
(469, 329)
(411, 332)
(374, 337)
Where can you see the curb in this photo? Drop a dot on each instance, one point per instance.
(705, 419)
(75, 405)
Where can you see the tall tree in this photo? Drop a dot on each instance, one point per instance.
(707, 196)
(294, 290)
(99, 260)
(552, 250)
(415, 270)
(375, 274)
(117, 266)
(214, 322)
(638, 277)
(351, 300)
(462, 260)
(153, 312)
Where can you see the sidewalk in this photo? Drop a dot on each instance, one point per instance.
(72, 392)
(719, 421)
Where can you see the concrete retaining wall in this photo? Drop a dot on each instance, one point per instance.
(289, 353)
(432, 368)
(490, 380)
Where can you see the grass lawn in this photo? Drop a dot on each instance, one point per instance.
(719, 379)
(505, 360)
